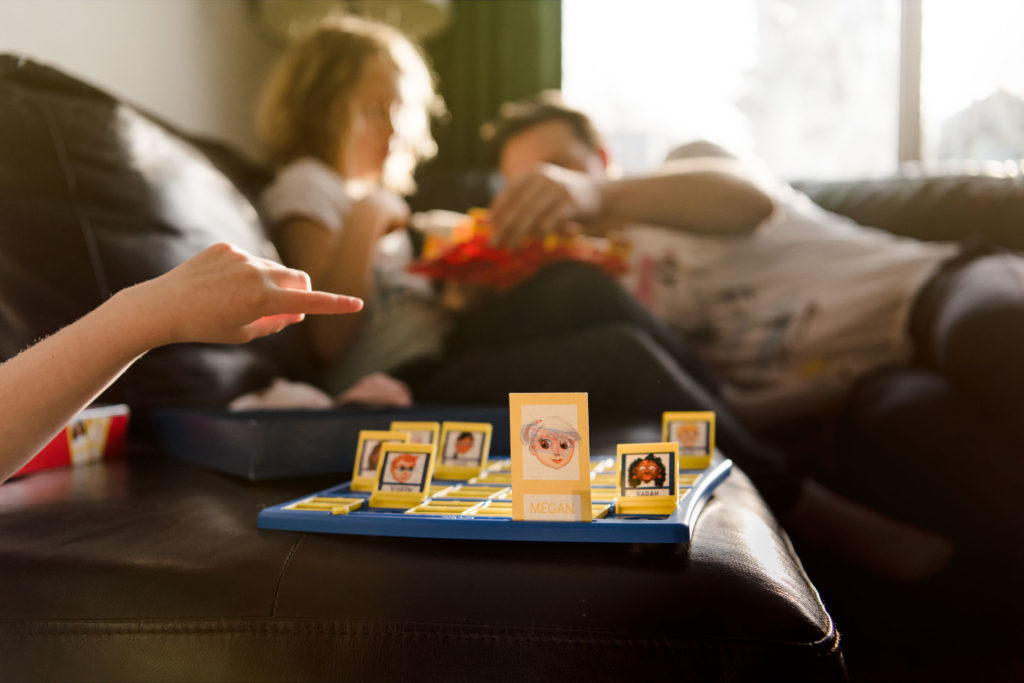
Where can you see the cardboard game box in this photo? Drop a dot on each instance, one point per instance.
(98, 432)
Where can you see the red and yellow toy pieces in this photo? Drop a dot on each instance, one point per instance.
(467, 256)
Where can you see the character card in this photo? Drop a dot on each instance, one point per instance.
(694, 431)
(419, 432)
(647, 477)
(550, 448)
(364, 469)
(403, 475)
(87, 438)
(463, 449)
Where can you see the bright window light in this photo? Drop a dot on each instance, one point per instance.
(972, 79)
(808, 86)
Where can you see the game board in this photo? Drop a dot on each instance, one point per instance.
(480, 508)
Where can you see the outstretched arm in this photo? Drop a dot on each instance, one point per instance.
(221, 295)
(705, 195)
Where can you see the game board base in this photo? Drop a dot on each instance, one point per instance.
(432, 519)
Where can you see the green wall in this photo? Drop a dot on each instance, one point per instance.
(493, 51)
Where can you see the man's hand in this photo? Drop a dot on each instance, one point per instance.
(547, 199)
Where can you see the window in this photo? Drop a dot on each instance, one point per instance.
(972, 80)
(812, 87)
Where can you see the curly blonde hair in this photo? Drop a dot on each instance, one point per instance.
(303, 108)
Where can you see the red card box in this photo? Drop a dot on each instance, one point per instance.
(96, 433)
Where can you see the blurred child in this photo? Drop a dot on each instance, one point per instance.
(221, 295)
(345, 117)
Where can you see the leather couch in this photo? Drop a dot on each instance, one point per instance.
(153, 569)
(909, 446)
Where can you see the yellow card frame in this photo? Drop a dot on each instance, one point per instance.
(443, 471)
(403, 499)
(690, 458)
(633, 500)
(561, 498)
(361, 482)
(433, 427)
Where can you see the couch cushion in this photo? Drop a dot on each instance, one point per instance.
(948, 204)
(96, 195)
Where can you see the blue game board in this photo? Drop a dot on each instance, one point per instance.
(481, 509)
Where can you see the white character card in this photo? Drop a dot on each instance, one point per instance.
(647, 477)
(403, 475)
(694, 431)
(419, 432)
(550, 449)
(368, 451)
(464, 448)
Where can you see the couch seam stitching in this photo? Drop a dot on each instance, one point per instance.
(280, 576)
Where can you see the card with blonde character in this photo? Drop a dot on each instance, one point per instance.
(694, 431)
(550, 449)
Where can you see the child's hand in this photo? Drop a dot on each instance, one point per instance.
(225, 295)
(389, 211)
(547, 199)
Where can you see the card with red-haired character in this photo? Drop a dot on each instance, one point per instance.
(404, 474)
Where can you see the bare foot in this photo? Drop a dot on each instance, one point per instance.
(377, 389)
(824, 519)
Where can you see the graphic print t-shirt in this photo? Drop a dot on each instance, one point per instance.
(791, 314)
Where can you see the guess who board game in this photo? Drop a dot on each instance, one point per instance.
(440, 480)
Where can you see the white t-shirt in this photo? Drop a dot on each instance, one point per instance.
(791, 314)
(405, 322)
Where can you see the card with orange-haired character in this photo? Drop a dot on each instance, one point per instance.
(404, 473)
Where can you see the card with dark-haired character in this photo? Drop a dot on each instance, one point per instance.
(647, 477)
(463, 449)
(364, 470)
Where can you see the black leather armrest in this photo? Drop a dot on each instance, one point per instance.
(950, 206)
(155, 570)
